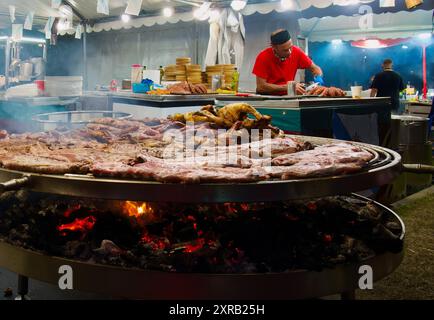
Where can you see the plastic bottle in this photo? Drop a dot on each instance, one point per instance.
(114, 85)
(136, 73)
(161, 73)
(291, 89)
(235, 80)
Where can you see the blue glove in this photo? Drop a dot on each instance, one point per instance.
(319, 79)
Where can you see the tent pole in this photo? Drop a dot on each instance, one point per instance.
(196, 43)
(7, 62)
(85, 84)
(424, 90)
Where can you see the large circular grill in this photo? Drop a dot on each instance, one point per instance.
(137, 283)
(381, 170)
(145, 284)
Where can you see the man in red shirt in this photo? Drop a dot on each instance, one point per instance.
(277, 65)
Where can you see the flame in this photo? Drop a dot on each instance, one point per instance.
(82, 225)
(137, 209)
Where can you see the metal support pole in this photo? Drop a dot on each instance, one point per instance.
(424, 86)
(196, 42)
(349, 295)
(23, 288)
(44, 59)
(7, 61)
(85, 84)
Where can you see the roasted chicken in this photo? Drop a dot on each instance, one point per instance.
(233, 117)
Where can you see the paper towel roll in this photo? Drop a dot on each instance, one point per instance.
(154, 75)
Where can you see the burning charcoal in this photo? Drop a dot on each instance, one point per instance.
(370, 212)
(383, 233)
(130, 256)
(362, 251)
(7, 196)
(42, 213)
(22, 195)
(393, 226)
(8, 292)
(339, 259)
(348, 244)
(217, 238)
(20, 233)
(108, 248)
(77, 249)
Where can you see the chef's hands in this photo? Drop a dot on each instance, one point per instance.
(299, 88)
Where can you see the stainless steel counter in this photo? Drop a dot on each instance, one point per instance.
(298, 102)
(156, 98)
(40, 101)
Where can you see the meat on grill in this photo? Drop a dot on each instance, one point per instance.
(185, 88)
(141, 150)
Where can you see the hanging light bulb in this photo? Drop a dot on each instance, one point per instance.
(424, 36)
(126, 18)
(287, 4)
(238, 5)
(61, 25)
(168, 12)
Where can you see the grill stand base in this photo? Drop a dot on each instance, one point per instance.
(348, 295)
(23, 288)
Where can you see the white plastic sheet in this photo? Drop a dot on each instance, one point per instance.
(17, 32)
(55, 4)
(48, 27)
(387, 3)
(103, 7)
(28, 24)
(134, 7)
(78, 31)
(12, 13)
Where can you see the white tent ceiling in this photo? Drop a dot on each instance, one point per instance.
(389, 25)
(384, 26)
(87, 8)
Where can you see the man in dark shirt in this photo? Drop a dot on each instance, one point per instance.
(388, 84)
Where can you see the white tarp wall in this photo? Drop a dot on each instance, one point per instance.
(111, 53)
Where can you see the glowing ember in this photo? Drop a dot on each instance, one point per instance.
(237, 207)
(311, 206)
(71, 210)
(230, 208)
(82, 225)
(194, 246)
(154, 242)
(245, 207)
(137, 209)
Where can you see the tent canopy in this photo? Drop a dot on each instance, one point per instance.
(384, 26)
(321, 20)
